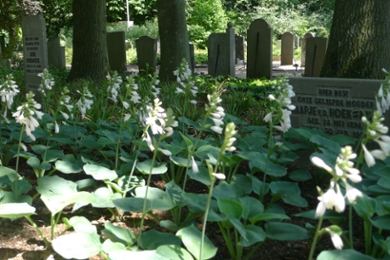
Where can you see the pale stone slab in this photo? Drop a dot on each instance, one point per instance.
(259, 53)
(116, 49)
(303, 47)
(34, 50)
(315, 55)
(287, 53)
(334, 106)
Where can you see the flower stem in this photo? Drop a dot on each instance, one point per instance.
(316, 236)
(205, 216)
(18, 153)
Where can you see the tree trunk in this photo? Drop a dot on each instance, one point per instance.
(90, 58)
(358, 45)
(174, 43)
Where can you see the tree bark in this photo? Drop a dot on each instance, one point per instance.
(357, 45)
(174, 43)
(90, 58)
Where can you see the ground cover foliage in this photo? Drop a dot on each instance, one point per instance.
(100, 146)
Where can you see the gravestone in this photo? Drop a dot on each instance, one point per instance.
(332, 105)
(192, 57)
(34, 50)
(296, 41)
(56, 53)
(287, 54)
(146, 54)
(239, 41)
(221, 52)
(259, 54)
(303, 47)
(116, 49)
(315, 56)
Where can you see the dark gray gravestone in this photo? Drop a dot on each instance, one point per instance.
(56, 53)
(221, 49)
(334, 106)
(315, 56)
(146, 54)
(239, 41)
(192, 57)
(303, 47)
(287, 54)
(116, 49)
(259, 53)
(34, 50)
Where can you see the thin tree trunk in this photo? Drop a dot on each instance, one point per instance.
(174, 44)
(358, 44)
(90, 58)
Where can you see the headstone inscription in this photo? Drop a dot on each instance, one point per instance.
(221, 52)
(146, 54)
(332, 105)
(56, 53)
(259, 53)
(303, 47)
(287, 54)
(116, 49)
(240, 54)
(315, 55)
(34, 50)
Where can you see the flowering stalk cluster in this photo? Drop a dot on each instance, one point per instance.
(8, 90)
(281, 106)
(85, 101)
(25, 114)
(155, 81)
(383, 96)
(216, 112)
(114, 84)
(333, 198)
(186, 84)
(47, 82)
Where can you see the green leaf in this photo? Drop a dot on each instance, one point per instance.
(202, 176)
(35, 163)
(230, 208)
(327, 143)
(104, 197)
(145, 167)
(300, 175)
(365, 207)
(289, 191)
(174, 252)
(253, 234)
(69, 164)
(258, 186)
(381, 222)
(118, 234)
(180, 161)
(144, 255)
(230, 191)
(152, 239)
(132, 204)
(268, 216)
(286, 231)
(251, 207)
(109, 246)
(191, 237)
(343, 255)
(77, 245)
(10, 173)
(16, 210)
(99, 172)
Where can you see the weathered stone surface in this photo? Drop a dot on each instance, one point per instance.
(259, 53)
(303, 47)
(287, 54)
(146, 54)
(334, 106)
(116, 48)
(56, 53)
(315, 56)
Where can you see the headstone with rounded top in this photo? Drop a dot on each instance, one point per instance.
(146, 54)
(303, 47)
(287, 53)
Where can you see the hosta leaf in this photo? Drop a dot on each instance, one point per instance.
(152, 239)
(16, 210)
(99, 172)
(286, 231)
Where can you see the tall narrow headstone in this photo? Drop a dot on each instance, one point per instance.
(259, 54)
(287, 54)
(116, 48)
(303, 47)
(315, 55)
(146, 54)
(221, 52)
(239, 41)
(296, 41)
(192, 57)
(56, 53)
(34, 50)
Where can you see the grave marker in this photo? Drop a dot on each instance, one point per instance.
(296, 41)
(239, 41)
(221, 49)
(315, 56)
(259, 53)
(303, 47)
(332, 105)
(116, 48)
(34, 50)
(146, 54)
(287, 54)
(56, 53)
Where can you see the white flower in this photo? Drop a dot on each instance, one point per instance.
(329, 200)
(268, 117)
(320, 163)
(217, 129)
(56, 127)
(336, 239)
(194, 166)
(219, 176)
(165, 152)
(352, 193)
